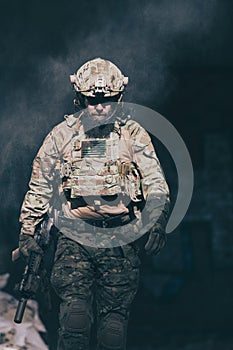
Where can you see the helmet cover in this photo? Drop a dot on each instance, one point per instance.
(99, 76)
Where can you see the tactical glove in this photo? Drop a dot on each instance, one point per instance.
(157, 239)
(27, 245)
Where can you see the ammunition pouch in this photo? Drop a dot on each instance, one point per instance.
(112, 179)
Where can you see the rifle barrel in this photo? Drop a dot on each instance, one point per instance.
(20, 310)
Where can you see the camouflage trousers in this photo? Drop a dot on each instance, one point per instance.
(110, 277)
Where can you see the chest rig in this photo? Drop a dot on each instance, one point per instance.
(99, 167)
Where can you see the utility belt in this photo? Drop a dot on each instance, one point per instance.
(84, 225)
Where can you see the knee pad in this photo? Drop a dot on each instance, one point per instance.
(112, 332)
(76, 317)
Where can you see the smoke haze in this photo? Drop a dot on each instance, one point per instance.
(43, 44)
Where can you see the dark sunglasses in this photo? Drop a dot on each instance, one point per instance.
(101, 99)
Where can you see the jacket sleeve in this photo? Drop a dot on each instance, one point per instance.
(154, 186)
(36, 201)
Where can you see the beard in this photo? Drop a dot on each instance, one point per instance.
(101, 127)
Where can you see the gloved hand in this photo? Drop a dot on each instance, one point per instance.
(156, 241)
(27, 245)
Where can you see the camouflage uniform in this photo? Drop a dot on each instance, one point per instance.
(81, 270)
(111, 274)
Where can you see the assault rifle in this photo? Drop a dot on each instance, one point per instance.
(34, 271)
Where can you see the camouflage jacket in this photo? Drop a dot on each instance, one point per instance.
(44, 184)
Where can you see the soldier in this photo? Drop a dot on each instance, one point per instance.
(102, 170)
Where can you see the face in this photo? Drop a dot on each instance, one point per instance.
(99, 112)
(100, 107)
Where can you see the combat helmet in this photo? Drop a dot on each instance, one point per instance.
(99, 76)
